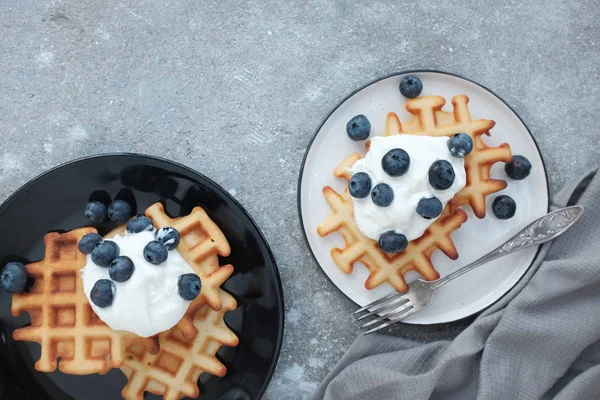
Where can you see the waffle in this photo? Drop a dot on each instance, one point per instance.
(430, 120)
(201, 243)
(175, 370)
(62, 320)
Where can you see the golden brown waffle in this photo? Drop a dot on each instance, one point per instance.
(385, 267)
(175, 370)
(62, 320)
(430, 120)
(202, 242)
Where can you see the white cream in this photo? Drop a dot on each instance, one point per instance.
(401, 215)
(147, 303)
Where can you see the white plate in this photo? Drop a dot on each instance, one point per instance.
(471, 292)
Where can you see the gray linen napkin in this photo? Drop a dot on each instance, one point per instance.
(540, 341)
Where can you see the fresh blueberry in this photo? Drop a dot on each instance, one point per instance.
(411, 86)
(359, 185)
(382, 195)
(13, 277)
(460, 145)
(441, 175)
(155, 252)
(518, 168)
(119, 211)
(392, 242)
(395, 162)
(168, 237)
(103, 293)
(121, 269)
(139, 223)
(96, 212)
(430, 208)
(504, 207)
(188, 286)
(105, 252)
(88, 242)
(358, 128)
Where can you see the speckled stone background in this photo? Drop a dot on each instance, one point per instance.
(236, 90)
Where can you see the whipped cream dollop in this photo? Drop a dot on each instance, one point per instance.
(401, 215)
(147, 303)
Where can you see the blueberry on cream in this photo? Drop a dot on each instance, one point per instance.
(168, 237)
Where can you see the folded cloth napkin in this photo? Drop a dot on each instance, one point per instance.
(540, 341)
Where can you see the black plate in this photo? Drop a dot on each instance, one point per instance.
(55, 201)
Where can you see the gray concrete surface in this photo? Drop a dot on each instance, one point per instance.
(236, 90)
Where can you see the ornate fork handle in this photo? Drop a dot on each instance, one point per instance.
(539, 231)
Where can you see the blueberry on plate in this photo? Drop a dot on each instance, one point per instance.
(518, 168)
(104, 253)
(96, 212)
(168, 237)
(504, 207)
(155, 252)
(429, 208)
(103, 293)
(13, 277)
(188, 286)
(395, 162)
(382, 195)
(358, 128)
(411, 86)
(139, 223)
(441, 175)
(121, 269)
(392, 242)
(359, 185)
(119, 211)
(88, 242)
(460, 145)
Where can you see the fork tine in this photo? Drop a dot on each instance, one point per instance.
(377, 302)
(389, 305)
(391, 321)
(385, 316)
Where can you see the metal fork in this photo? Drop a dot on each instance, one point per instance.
(397, 306)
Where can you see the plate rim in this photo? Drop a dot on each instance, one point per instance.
(364, 86)
(281, 332)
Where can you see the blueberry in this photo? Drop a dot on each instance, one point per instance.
(359, 185)
(358, 128)
(441, 175)
(430, 208)
(518, 168)
(155, 252)
(411, 86)
(382, 195)
(119, 211)
(96, 212)
(168, 237)
(13, 277)
(121, 269)
(88, 242)
(188, 286)
(460, 145)
(139, 223)
(103, 293)
(104, 253)
(504, 207)
(395, 162)
(392, 242)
